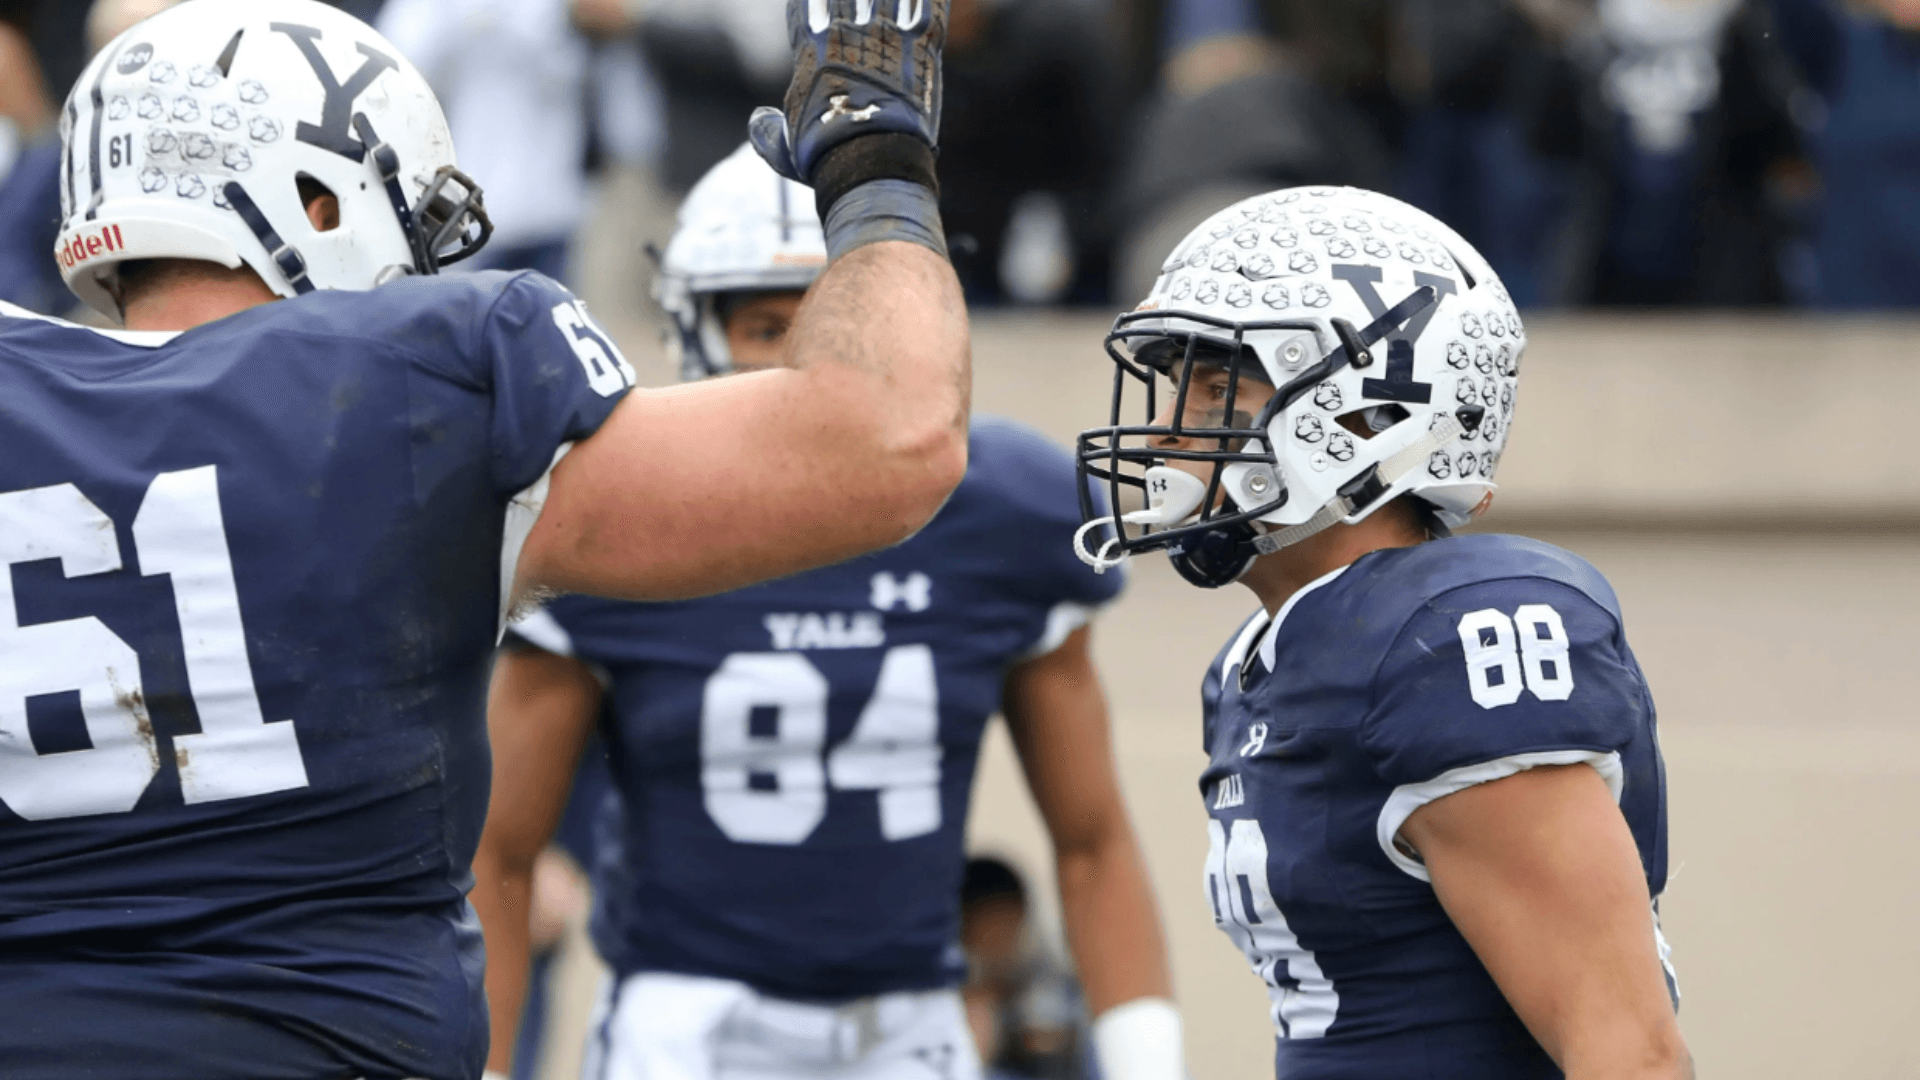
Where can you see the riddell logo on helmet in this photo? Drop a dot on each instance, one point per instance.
(81, 248)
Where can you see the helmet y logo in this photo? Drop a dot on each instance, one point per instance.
(334, 132)
(1399, 385)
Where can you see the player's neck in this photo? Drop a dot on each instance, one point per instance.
(1277, 577)
(196, 301)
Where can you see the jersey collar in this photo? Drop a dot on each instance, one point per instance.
(145, 339)
(1269, 647)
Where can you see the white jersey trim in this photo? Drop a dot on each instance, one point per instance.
(522, 512)
(541, 630)
(146, 339)
(1065, 618)
(1269, 649)
(1269, 645)
(1408, 798)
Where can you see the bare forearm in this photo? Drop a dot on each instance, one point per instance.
(1629, 1055)
(1112, 924)
(503, 899)
(893, 309)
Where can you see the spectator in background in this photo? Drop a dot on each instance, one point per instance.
(1028, 146)
(30, 189)
(1027, 1014)
(1250, 95)
(1864, 62)
(1691, 177)
(1461, 73)
(512, 75)
(714, 60)
(29, 181)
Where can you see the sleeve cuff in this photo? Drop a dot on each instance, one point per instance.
(1062, 621)
(1410, 797)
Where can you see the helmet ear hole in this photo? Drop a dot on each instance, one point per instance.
(1372, 420)
(325, 217)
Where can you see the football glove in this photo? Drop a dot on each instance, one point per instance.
(861, 67)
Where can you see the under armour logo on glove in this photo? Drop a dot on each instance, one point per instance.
(840, 109)
(916, 591)
(854, 61)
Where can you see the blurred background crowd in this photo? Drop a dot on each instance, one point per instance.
(1602, 153)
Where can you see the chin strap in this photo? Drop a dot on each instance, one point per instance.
(284, 255)
(1375, 482)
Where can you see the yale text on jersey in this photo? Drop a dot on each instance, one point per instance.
(826, 630)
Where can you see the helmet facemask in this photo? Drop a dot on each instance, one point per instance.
(1213, 529)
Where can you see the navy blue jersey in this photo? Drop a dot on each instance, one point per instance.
(1409, 675)
(794, 759)
(250, 582)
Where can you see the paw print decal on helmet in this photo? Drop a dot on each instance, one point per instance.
(1309, 429)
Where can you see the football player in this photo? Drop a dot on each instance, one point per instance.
(1438, 810)
(254, 555)
(779, 882)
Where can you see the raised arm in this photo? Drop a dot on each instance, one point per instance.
(540, 712)
(709, 486)
(1540, 873)
(1058, 717)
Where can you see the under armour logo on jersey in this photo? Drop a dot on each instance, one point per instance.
(1230, 792)
(916, 591)
(335, 130)
(838, 109)
(1256, 740)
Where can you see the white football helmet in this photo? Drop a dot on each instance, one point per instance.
(743, 228)
(1347, 302)
(187, 136)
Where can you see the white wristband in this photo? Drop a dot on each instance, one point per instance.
(1140, 1040)
(494, 1074)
